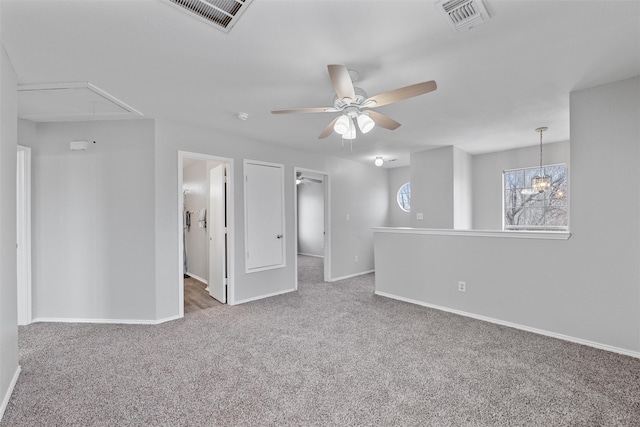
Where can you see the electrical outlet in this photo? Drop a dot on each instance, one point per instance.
(356, 258)
(419, 216)
(347, 217)
(462, 286)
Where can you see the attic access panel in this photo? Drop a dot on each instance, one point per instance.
(222, 14)
(51, 102)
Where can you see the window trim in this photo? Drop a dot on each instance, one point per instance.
(533, 228)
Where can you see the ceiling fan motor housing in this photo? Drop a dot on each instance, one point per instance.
(352, 111)
(361, 96)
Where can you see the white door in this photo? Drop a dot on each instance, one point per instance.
(217, 234)
(264, 216)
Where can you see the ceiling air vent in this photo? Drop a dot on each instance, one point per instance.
(223, 14)
(463, 15)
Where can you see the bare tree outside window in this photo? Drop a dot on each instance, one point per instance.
(527, 209)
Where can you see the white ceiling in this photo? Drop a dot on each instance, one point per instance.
(496, 83)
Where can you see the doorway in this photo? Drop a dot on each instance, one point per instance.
(205, 231)
(312, 224)
(23, 226)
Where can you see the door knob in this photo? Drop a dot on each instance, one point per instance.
(279, 236)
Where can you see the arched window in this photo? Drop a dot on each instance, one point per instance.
(404, 197)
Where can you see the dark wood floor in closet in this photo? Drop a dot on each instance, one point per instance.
(196, 297)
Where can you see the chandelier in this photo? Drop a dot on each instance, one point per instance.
(541, 181)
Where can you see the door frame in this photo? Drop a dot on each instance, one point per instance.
(230, 225)
(327, 220)
(23, 225)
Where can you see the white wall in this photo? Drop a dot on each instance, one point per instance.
(487, 178)
(311, 218)
(397, 178)
(587, 287)
(355, 188)
(93, 221)
(432, 188)
(462, 186)
(360, 191)
(196, 181)
(8, 276)
(441, 188)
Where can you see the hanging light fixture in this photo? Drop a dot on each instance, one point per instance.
(541, 181)
(378, 161)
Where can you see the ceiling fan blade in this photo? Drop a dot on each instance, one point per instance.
(400, 94)
(341, 81)
(382, 120)
(306, 110)
(327, 131)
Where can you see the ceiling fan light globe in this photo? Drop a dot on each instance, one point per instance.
(342, 125)
(351, 133)
(365, 123)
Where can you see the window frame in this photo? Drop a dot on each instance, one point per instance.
(398, 197)
(536, 228)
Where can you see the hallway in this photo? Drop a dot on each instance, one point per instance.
(196, 297)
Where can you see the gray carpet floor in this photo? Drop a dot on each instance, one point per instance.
(329, 354)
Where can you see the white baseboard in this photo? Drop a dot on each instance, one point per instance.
(198, 278)
(167, 319)
(7, 395)
(516, 326)
(362, 273)
(262, 297)
(314, 255)
(110, 321)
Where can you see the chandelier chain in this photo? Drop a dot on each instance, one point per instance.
(541, 151)
(541, 129)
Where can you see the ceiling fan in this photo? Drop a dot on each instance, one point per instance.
(354, 105)
(300, 179)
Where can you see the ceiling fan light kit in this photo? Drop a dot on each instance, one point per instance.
(354, 104)
(351, 133)
(342, 125)
(365, 123)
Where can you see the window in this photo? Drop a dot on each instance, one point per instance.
(404, 197)
(526, 209)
